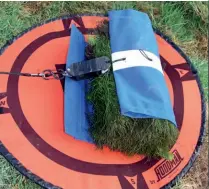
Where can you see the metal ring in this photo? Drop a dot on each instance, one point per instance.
(59, 75)
(45, 73)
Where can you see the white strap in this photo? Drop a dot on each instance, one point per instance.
(134, 58)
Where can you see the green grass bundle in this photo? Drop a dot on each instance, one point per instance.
(150, 137)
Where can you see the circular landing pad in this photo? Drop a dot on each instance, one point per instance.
(32, 134)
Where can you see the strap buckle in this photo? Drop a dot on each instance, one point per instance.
(88, 68)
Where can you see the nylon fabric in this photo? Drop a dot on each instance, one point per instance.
(141, 86)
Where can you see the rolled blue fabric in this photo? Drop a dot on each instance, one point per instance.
(75, 105)
(140, 83)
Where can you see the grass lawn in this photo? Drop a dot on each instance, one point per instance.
(186, 23)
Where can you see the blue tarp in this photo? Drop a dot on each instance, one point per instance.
(75, 105)
(140, 83)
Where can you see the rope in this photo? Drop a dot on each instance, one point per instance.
(46, 74)
(19, 74)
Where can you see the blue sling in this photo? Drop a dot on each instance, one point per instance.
(139, 78)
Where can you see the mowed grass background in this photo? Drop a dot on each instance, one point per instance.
(186, 23)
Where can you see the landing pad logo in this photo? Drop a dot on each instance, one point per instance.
(166, 167)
